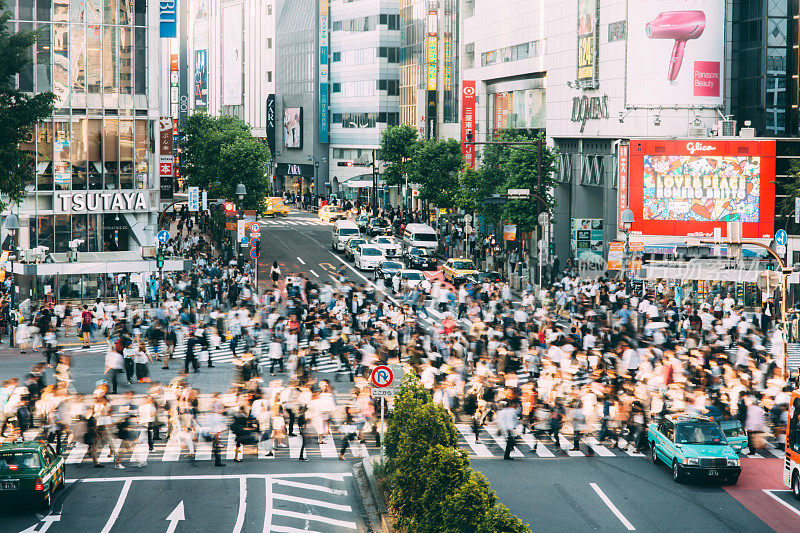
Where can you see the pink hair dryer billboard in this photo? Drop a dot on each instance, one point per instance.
(680, 26)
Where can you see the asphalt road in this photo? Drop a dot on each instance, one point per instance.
(246, 497)
(569, 495)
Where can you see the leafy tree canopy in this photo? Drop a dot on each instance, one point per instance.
(435, 166)
(397, 147)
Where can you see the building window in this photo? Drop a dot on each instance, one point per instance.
(269, 76)
(269, 43)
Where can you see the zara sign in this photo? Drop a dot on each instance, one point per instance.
(98, 202)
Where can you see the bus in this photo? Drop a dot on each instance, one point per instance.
(791, 461)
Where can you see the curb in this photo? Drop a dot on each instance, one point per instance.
(377, 497)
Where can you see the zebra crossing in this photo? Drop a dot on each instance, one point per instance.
(489, 444)
(291, 221)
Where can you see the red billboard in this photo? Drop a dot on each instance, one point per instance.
(689, 187)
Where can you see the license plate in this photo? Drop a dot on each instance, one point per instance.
(10, 484)
(713, 472)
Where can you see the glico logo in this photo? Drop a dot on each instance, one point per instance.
(699, 147)
(469, 91)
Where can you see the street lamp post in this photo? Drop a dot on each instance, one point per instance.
(627, 219)
(12, 225)
(241, 192)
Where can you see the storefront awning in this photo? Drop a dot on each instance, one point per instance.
(98, 263)
(357, 184)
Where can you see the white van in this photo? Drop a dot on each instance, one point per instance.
(420, 236)
(343, 231)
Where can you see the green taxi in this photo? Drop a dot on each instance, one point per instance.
(30, 471)
(694, 447)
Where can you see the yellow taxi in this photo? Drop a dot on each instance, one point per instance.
(330, 213)
(457, 270)
(276, 207)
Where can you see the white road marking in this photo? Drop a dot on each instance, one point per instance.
(105, 455)
(118, 507)
(566, 445)
(237, 528)
(316, 518)
(287, 529)
(314, 273)
(268, 507)
(177, 515)
(295, 443)
(478, 448)
(769, 493)
(231, 451)
(77, 453)
(301, 260)
(324, 475)
(172, 451)
(315, 503)
(309, 486)
(358, 449)
(203, 451)
(613, 507)
(598, 448)
(501, 441)
(140, 453)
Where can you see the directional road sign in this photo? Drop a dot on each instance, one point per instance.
(780, 237)
(163, 236)
(244, 240)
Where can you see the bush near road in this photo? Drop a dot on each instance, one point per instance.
(427, 477)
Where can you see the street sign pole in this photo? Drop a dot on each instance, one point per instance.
(383, 402)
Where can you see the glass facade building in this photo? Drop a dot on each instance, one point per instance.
(94, 55)
(764, 66)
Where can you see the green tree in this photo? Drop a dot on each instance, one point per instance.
(19, 111)
(434, 166)
(221, 152)
(397, 146)
(517, 168)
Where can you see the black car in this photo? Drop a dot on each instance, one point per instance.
(420, 259)
(378, 226)
(387, 269)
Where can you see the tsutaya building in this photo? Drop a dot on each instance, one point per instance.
(94, 186)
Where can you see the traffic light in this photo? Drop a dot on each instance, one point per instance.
(345, 163)
(160, 261)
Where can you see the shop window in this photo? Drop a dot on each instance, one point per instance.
(111, 153)
(44, 80)
(79, 223)
(78, 58)
(43, 10)
(62, 171)
(44, 232)
(140, 12)
(140, 78)
(125, 61)
(62, 232)
(110, 67)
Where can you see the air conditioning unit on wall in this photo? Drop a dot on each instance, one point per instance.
(726, 128)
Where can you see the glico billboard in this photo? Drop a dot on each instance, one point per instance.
(689, 187)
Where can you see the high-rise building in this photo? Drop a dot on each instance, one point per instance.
(764, 65)
(93, 185)
(364, 88)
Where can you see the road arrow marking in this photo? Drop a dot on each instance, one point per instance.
(47, 520)
(175, 516)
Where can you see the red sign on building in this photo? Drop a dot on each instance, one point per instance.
(622, 181)
(690, 187)
(468, 121)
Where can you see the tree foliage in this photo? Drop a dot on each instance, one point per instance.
(19, 111)
(434, 167)
(221, 152)
(432, 488)
(397, 146)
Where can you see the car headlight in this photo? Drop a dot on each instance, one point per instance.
(733, 462)
(691, 461)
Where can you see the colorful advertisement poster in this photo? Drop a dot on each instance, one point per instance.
(690, 187)
(167, 19)
(468, 121)
(622, 181)
(323, 70)
(510, 232)
(587, 236)
(588, 11)
(293, 127)
(616, 253)
(62, 170)
(232, 59)
(201, 79)
(675, 53)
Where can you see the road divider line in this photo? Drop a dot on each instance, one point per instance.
(301, 260)
(309, 486)
(268, 507)
(315, 503)
(118, 507)
(769, 492)
(313, 273)
(613, 507)
(237, 528)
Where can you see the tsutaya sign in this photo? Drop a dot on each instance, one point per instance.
(95, 202)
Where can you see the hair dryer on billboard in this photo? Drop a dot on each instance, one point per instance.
(678, 25)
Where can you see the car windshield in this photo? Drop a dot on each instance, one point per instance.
(732, 428)
(370, 251)
(355, 242)
(14, 460)
(412, 275)
(379, 222)
(699, 433)
(348, 231)
(391, 265)
(463, 265)
(425, 237)
(384, 240)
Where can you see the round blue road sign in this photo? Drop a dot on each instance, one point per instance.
(254, 241)
(780, 237)
(254, 253)
(163, 236)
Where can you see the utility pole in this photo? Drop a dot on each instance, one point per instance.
(374, 186)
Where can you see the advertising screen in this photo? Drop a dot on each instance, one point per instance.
(587, 41)
(689, 187)
(675, 52)
(232, 59)
(293, 127)
(200, 79)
